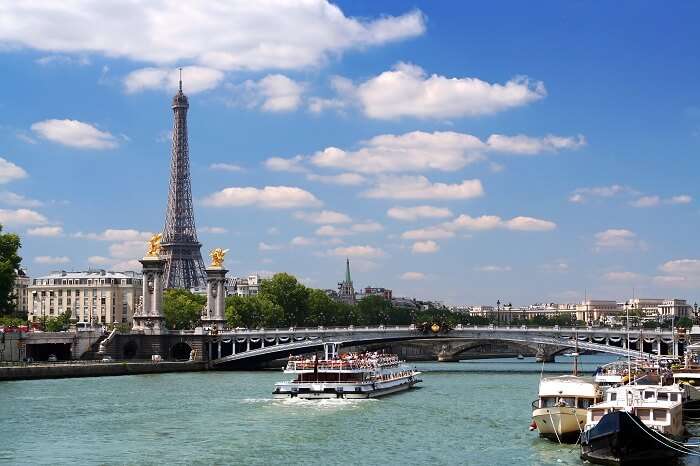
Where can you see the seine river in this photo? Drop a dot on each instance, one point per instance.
(471, 412)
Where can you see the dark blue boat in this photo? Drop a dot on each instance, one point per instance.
(621, 438)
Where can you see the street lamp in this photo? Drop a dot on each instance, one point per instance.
(498, 312)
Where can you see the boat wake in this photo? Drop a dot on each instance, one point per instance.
(320, 405)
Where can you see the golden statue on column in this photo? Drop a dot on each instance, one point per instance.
(217, 257)
(154, 245)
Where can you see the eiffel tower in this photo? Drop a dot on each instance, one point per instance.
(184, 267)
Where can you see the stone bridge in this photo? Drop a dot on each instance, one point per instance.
(230, 349)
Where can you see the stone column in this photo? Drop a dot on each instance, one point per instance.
(149, 317)
(216, 298)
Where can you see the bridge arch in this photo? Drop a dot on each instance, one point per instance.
(180, 351)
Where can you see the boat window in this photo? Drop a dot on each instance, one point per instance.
(648, 395)
(660, 414)
(613, 396)
(674, 396)
(662, 396)
(584, 403)
(566, 401)
(548, 402)
(644, 414)
(597, 414)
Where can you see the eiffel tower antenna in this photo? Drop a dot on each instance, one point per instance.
(184, 267)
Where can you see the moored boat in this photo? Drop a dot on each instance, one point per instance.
(559, 413)
(635, 424)
(347, 375)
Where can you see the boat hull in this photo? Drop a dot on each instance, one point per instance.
(320, 392)
(560, 424)
(621, 438)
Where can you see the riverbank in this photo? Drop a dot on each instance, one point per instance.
(95, 369)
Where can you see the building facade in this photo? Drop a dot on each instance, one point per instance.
(93, 296)
(21, 293)
(243, 286)
(346, 291)
(372, 291)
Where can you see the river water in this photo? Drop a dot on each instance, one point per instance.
(472, 412)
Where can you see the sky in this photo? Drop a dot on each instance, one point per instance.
(461, 151)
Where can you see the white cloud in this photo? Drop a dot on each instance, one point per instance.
(279, 164)
(330, 230)
(342, 179)
(428, 233)
(45, 231)
(559, 266)
(412, 276)
(425, 247)
(21, 217)
(10, 172)
(230, 35)
(323, 217)
(273, 93)
(51, 260)
(529, 224)
(646, 201)
(414, 151)
(616, 239)
(367, 227)
(262, 246)
(18, 200)
(419, 187)
(490, 222)
(494, 268)
(582, 194)
(653, 201)
(62, 60)
(99, 260)
(269, 197)
(74, 133)
(407, 91)
(132, 264)
(225, 167)
(527, 145)
(681, 199)
(213, 230)
(195, 79)
(356, 251)
(116, 234)
(622, 276)
(414, 213)
(128, 249)
(301, 241)
(681, 267)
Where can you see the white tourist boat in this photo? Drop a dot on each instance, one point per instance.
(347, 375)
(559, 413)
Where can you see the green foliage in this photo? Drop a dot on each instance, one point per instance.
(56, 324)
(284, 290)
(9, 321)
(9, 263)
(684, 322)
(253, 312)
(372, 310)
(182, 308)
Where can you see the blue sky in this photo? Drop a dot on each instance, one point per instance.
(467, 152)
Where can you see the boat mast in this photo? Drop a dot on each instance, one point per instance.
(576, 354)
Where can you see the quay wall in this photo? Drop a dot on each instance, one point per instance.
(97, 369)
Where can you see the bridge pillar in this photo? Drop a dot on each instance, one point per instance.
(149, 317)
(542, 355)
(216, 298)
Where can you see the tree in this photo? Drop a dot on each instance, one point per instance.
(684, 322)
(182, 308)
(253, 312)
(56, 324)
(372, 310)
(284, 290)
(9, 264)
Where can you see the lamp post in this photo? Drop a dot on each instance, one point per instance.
(498, 312)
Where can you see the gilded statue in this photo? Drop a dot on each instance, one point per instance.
(217, 257)
(154, 245)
